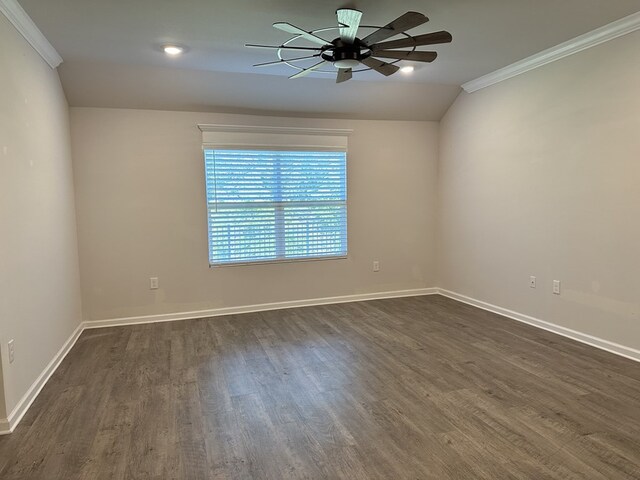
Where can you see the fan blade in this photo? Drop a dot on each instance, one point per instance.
(405, 22)
(380, 66)
(278, 62)
(307, 71)
(287, 27)
(413, 55)
(351, 20)
(284, 47)
(344, 74)
(426, 39)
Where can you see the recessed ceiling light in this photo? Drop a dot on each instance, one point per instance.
(407, 69)
(173, 50)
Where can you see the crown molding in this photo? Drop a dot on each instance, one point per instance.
(31, 33)
(600, 35)
(337, 132)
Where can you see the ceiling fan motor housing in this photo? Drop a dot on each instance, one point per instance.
(344, 55)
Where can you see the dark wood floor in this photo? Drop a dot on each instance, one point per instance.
(414, 388)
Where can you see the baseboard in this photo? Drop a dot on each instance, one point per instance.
(597, 342)
(261, 307)
(7, 425)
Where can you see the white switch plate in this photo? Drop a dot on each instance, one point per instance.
(153, 283)
(556, 287)
(12, 351)
(376, 266)
(532, 281)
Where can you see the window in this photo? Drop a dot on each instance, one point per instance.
(275, 204)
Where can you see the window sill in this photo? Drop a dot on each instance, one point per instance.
(280, 260)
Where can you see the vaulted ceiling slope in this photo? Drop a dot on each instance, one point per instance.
(112, 57)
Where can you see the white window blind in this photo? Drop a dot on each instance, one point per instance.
(275, 204)
(275, 193)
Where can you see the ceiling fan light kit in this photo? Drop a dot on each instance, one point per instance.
(346, 63)
(348, 52)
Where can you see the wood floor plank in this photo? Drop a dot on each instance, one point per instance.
(411, 388)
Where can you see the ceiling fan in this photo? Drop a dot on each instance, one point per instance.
(348, 52)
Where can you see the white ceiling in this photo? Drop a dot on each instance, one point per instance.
(111, 55)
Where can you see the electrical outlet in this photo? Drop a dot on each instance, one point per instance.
(556, 287)
(532, 281)
(12, 351)
(153, 283)
(376, 266)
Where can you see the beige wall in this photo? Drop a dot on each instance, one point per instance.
(540, 175)
(39, 275)
(140, 197)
